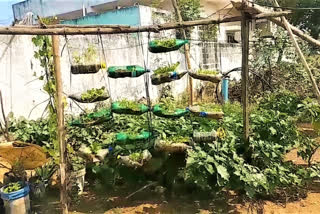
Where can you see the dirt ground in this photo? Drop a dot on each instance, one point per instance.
(148, 203)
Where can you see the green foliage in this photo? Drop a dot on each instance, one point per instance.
(45, 172)
(31, 131)
(93, 94)
(282, 101)
(137, 156)
(129, 104)
(210, 107)
(45, 56)
(167, 69)
(77, 162)
(166, 43)
(12, 187)
(169, 105)
(88, 57)
(189, 9)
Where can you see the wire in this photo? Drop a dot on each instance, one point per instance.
(219, 10)
(287, 8)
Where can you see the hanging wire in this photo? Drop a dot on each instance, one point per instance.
(105, 61)
(146, 81)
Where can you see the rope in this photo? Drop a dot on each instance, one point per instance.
(146, 81)
(105, 60)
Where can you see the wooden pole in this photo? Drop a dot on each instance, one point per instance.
(103, 29)
(303, 59)
(186, 50)
(60, 128)
(245, 73)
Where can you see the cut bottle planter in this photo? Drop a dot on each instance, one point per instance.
(116, 107)
(126, 71)
(78, 178)
(94, 118)
(160, 112)
(77, 97)
(85, 69)
(170, 146)
(157, 79)
(206, 77)
(128, 137)
(196, 110)
(127, 161)
(155, 48)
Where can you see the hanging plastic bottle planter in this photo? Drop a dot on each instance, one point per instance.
(91, 95)
(206, 75)
(166, 74)
(203, 137)
(132, 137)
(160, 111)
(85, 58)
(92, 119)
(129, 107)
(166, 45)
(207, 111)
(126, 71)
(173, 145)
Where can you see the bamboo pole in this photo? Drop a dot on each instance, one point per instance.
(245, 74)
(303, 59)
(60, 128)
(186, 50)
(107, 30)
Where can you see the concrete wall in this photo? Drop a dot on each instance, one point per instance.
(23, 91)
(125, 16)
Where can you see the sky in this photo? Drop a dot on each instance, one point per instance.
(6, 15)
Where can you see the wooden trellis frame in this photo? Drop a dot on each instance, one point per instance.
(248, 13)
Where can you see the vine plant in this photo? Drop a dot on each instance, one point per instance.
(45, 55)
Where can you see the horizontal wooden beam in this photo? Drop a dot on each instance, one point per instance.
(106, 29)
(72, 26)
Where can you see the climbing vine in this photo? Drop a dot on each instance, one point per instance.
(45, 55)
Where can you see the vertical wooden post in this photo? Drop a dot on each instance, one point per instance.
(186, 50)
(303, 59)
(60, 115)
(245, 73)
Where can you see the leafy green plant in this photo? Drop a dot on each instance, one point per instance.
(12, 187)
(209, 107)
(45, 172)
(89, 56)
(166, 43)
(207, 72)
(93, 94)
(77, 163)
(137, 156)
(129, 104)
(169, 105)
(166, 69)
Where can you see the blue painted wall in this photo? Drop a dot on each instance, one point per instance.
(45, 8)
(125, 16)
